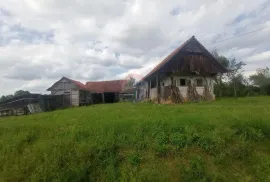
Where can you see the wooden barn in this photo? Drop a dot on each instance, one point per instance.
(106, 91)
(187, 74)
(75, 92)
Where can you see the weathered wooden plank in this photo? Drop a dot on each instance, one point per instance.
(75, 97)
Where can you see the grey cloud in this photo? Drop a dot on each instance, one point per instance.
(96, 40)
(17, 32)
(26, 72)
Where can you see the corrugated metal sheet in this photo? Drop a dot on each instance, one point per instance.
(106, 86)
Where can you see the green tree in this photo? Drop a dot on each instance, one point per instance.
(220, 77)
(17, 93)
(3, 98)
(235, 73)
(21, 92)
(262, 79)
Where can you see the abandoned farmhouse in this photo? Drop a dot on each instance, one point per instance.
(187, 74)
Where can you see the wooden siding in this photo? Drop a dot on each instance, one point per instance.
(64, 84)
(67, 88)
(75, 97)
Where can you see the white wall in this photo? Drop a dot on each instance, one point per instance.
(183, 89)
(141, 92)
(153, 93)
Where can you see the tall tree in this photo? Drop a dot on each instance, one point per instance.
(219, 78)
(235, 69)
(262, 80)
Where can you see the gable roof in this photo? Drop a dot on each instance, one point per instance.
(106, 86)
(78, 84)
(181, 48)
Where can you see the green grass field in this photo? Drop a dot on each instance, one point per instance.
(227, 140)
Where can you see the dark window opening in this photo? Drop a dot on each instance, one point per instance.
(163, 84)
(183, 82)
(199, 82)
(109, 97)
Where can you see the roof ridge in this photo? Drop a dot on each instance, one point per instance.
(106, 81)
(167, 58)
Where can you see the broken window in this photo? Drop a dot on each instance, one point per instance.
(183, 82)
(199, 82)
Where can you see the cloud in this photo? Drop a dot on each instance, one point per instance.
(40, 41)
(263, 56)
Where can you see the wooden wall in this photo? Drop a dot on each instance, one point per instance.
(68, 89)
(75, 99)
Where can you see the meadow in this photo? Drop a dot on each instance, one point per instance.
(225, 140)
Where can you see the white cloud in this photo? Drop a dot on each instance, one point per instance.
(263, 56)
(41, 41)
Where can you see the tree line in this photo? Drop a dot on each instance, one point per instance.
(17, 93)
(235, 84)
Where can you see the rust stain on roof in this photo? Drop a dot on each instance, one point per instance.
(106, 86)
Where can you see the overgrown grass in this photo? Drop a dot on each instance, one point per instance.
(227, 140)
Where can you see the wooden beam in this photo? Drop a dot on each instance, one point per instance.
(150, 85)
(148, 89)
(103, 98)
(158, 88)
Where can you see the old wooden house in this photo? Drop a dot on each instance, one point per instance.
(75, 92)
(186, 74)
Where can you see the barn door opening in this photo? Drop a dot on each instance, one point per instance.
(66, 99)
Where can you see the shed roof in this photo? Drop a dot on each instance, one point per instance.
(220, 68)
(106, 86)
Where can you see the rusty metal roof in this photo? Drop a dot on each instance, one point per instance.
(106, 86)
(79, 84)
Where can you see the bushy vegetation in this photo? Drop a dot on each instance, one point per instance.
(235, 84)
(226, 140)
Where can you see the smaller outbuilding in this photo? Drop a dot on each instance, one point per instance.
(106, 91)
(75, 93)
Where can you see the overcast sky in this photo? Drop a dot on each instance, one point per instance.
(43, 40)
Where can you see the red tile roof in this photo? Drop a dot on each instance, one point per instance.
(106, 86)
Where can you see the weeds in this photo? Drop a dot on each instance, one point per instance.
(221, 141)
